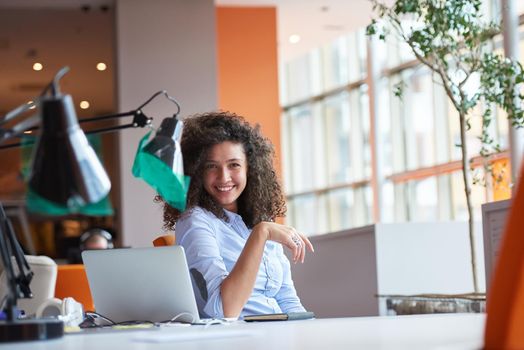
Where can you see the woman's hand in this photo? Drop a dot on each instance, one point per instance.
(237, 287)
(295, 241)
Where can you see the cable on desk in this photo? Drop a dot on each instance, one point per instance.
(91, 318)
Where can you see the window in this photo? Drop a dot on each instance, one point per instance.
(328, 143)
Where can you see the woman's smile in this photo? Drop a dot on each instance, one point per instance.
(225, 174)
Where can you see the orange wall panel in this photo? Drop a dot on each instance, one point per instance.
(248, 67)
(502, 180)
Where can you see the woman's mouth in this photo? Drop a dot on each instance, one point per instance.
(224, 188)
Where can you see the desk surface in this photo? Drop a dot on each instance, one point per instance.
(449, 331)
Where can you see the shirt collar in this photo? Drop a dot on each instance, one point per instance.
(231, 216)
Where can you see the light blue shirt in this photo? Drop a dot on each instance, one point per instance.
(212, 248)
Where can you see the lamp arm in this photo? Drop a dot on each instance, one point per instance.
(18, 281)
(17, 111)
(107, 116)
(139, 120)
(169, 97)
(18, 129)
(110, 129)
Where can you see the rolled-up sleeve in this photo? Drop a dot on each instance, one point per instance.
(287, 296)
(198, 238)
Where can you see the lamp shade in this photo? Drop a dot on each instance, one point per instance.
(159, 163)
(164, 144)
(65, 168)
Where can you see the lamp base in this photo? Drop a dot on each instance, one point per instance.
(30, 329)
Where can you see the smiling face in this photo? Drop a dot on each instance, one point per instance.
(225, 174)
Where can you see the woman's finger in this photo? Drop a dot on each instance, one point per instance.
(308, 243)
(303, 251)
(300, 247)
(299, 243)
(303, 242)
(291, 246)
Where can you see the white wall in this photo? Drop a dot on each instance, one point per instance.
(419, 258)
(161, 44)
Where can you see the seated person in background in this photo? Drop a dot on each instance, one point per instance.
(94, 238)
(233, 246)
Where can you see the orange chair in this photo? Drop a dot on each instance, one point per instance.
(505, 305)
(164, 240)
(71, 281)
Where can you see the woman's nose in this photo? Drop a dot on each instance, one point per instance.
(224, 174)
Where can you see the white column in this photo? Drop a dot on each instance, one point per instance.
(377, 176)
(161, 44)
(510, 22)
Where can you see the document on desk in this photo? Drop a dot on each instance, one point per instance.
(291, 316)
(196, 334)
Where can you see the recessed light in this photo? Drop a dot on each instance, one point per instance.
(84, 105)
(38, 66)
(101, 66)
(294, 38)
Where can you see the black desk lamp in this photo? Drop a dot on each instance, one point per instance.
(65, 167)
(66, 171)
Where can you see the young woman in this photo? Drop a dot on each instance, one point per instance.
(233, 246)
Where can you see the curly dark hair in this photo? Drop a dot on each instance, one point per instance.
(261, 200)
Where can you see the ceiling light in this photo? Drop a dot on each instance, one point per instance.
(32, 104)
(101, 66)
(294, 38)
(38, 66)
(84, 105)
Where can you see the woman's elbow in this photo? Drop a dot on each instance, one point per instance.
(230, 304)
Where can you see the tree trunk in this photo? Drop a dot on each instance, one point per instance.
(467, 190)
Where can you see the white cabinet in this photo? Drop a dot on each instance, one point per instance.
(349, 269)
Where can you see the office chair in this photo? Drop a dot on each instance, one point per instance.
(164, 240)
(71, 281)
(505, 303)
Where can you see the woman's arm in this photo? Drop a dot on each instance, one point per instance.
(237, 287)
(287, 297)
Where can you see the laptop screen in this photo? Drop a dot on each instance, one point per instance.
(141, 284)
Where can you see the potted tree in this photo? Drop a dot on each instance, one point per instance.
(453, 40)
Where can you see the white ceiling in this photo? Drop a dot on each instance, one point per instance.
(316, 21)
(29, 28)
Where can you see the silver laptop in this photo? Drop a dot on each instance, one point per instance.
(141, 284)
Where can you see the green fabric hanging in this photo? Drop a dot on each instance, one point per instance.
(40, 205)
(172, 187)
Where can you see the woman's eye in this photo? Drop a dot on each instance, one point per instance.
(234, 165)
(210, 166)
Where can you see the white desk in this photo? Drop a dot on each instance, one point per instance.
(450, 331)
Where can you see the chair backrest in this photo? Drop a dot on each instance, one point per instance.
(164, 240)
(505, 303)
(72, 282)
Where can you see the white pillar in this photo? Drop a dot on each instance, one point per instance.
(161, 44)
(510, 22)
(377, 176)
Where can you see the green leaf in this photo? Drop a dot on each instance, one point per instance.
(371, 28)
